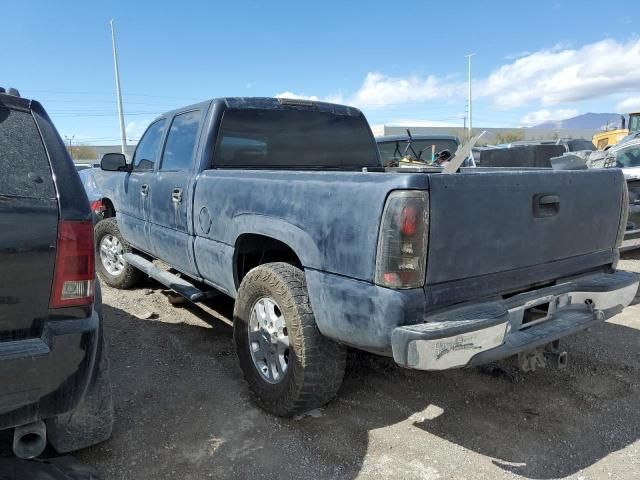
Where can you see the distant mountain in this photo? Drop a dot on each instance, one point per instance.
(587, 121)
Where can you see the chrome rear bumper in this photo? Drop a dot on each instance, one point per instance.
(479, 333)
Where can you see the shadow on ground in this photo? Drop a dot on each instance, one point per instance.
(182, 409)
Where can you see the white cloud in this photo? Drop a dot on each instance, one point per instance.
(541, 116)
(379, 90)
(134, 130)
(629, 105)
(548, 77)
(558, 75)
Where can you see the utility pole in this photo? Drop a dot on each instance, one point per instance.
(464, 123)
(469, 99)
(123, 138)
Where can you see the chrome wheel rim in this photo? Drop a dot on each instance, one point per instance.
(111, 252)
(269, 340)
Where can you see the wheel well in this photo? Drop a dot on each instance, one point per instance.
(110, 210)
(253, 250)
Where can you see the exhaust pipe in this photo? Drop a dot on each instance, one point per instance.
(30, 440)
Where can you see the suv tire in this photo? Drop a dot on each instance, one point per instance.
(308, 373)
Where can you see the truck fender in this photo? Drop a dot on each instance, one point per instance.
(291, 235)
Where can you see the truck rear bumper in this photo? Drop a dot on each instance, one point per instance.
(47, 376)
(479, 333)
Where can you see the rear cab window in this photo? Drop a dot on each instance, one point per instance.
(24, 164)
(295, 139)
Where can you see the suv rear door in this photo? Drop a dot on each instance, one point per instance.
(28, 223)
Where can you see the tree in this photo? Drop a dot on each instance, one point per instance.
(82, 152)
(508, 137)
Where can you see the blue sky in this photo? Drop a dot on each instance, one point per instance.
(398, 61)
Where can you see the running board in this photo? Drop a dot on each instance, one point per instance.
(175, 283)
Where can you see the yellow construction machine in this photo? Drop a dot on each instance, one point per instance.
(604, 140)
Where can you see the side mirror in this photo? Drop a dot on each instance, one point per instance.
(114, 162)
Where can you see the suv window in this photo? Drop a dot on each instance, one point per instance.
(148, 148)
(24, 165)
(181, 141)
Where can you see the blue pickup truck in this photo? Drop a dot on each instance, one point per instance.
(285, 206)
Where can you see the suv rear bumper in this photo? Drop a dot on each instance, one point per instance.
(484, 332)
(47, 376)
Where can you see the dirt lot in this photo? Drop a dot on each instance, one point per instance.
(183, 411)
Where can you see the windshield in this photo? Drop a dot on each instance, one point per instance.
(634, 122)
(392, 152)
(629, 157)
(290, 138)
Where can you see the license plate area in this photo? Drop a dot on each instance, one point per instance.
(535, 311)
(536, 314)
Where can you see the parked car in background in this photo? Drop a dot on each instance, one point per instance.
(424, 148)
(84, 166)
(626, 156)
(92, 179)
(54, 383)
(284, 206)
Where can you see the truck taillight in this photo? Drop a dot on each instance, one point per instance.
(74, 274)
(402, 243)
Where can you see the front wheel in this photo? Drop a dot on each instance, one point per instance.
(110, 249)
(289, 365)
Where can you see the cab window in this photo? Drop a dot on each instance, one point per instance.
(148, 148)
(181, 141)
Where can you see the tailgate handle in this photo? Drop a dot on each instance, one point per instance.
(545, 205)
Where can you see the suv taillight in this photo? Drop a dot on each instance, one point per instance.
(74, 275)
(402, 243)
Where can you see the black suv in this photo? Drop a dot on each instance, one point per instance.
(54, 382)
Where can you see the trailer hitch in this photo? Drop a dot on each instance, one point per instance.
(540, 357)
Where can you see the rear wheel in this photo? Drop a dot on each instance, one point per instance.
(289, 365)
(110, 250)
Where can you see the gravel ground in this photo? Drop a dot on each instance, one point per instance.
(183, 411)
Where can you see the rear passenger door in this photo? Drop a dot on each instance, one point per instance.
(133, 212)
(171, 191)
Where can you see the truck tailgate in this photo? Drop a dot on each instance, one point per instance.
(489, 222)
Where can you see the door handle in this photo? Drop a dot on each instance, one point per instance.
(144, 190)
(546, 205)
(176, 195)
